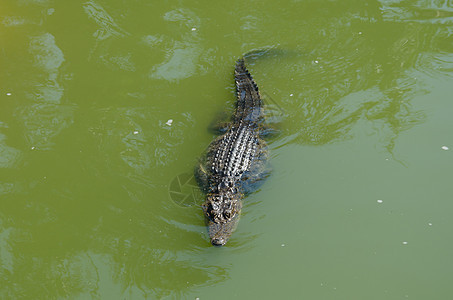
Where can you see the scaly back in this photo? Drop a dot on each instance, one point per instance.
(249, 105)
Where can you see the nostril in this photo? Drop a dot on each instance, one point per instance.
(218, 242)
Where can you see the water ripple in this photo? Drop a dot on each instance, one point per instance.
(182, 60)
(108, 26)
(421, 11)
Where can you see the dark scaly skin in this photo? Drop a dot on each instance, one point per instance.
(234, 160)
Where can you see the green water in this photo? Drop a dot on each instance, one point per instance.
(104, 110)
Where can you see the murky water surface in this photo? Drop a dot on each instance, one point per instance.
(104, 109)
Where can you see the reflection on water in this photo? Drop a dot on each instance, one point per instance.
(89, 225)
(423, 11)
(43, 122)
(84, 173)
(141, 140)
(108, 26)
(47, 55)
(338, 83)
(107, 29)
(45, 117)
(183, 58)
(9, 156)
(13, 21)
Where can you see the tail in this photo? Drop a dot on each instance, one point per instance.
(248, 97)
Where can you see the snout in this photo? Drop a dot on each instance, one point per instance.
(219, 233)
(218, 242)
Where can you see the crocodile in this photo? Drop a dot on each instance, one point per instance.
(235, 161)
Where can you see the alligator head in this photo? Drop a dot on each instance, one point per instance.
(222, 214)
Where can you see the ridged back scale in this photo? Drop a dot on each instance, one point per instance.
(249, 105)
(236, 149)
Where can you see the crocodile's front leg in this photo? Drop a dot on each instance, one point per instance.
(201, 175)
